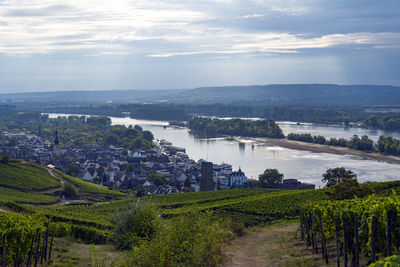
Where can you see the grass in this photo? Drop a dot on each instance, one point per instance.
(26, 177)
(87, 187)
(69, 252)
(11, 195)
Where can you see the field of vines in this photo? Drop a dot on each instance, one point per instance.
(248, 206)
(19, 176)
(25, 238)
(364, 230)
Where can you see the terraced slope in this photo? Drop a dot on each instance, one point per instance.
(26, 178)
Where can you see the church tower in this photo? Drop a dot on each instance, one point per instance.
(56, 146)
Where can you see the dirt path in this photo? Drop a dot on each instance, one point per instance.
(275, 245)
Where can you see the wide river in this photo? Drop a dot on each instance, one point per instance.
(254, 157)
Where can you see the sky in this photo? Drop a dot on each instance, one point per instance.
(50, 45)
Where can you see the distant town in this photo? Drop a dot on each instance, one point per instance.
(162, 169)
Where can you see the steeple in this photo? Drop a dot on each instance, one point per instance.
(56, 140)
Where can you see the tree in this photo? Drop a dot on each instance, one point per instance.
(348, 188)
(111, 139)
(334, 175)
(5, 159)
(73, 169)
(270, 178)
(69, 190)
(148, 136)
(138, 128)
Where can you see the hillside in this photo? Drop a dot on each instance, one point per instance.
(291, 94)
(23, 177)
(27, 183)
(183, 217)
(317, 95)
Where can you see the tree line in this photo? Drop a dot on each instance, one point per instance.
(385, 145)
(237, 127)
(77, 130)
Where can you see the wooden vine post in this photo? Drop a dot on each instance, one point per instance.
(373, 239)
(314, 236)
(389, 234)
(16, 262)
(345, 241)
(28, 262)
(357, 245)
(301, 225)
(323, 241)
(37, 250)
(51, 244)
(308, 231)
(337, 243)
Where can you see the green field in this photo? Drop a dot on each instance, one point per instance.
(87, 187)
(26, 177)
(10, 195)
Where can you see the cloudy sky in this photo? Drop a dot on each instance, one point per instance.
(145, 44)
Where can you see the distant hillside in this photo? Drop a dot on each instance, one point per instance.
(292, 94)
(274, 94)
(79, 97)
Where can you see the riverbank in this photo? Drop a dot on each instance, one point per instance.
(316, 148)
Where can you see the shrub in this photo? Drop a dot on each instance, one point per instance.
(69, 190)
(137, 223)
(188, 240)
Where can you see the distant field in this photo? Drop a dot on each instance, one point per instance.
(10, 195)
(26, 177)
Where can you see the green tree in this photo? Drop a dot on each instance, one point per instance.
(69, 190)
(137, 223)
(73, 169)
(148, 136)
(111, 139)
(270, 178)
(348, 188)
(334, 175)
(5, 159)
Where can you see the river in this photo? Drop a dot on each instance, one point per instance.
(254, 157)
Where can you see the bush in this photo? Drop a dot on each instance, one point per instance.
(188, 240)
(137, 223)
(69, 190)
(232, 226)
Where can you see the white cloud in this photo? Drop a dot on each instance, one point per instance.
(162, 28)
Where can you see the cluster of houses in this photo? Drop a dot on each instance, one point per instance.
(122, 168)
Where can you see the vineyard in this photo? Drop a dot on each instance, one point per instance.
(24, 177)
(25, 239)
(363, 229)
(11, 195)
(359, 226)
